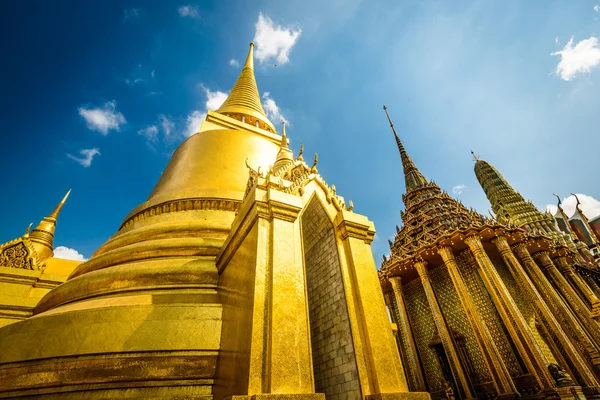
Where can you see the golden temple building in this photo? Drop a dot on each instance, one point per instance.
(488, 307)
(244, 274)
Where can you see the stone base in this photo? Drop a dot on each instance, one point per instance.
(279, 396)
(570, 392)
(399, 396)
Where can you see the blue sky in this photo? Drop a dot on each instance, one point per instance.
(122, 80)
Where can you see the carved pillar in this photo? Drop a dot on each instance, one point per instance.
(558, 306)
(447, 341)
(498, 371)
(413, 365)
(577, 283)
(513, 320)
(579, 307)
(532, 295)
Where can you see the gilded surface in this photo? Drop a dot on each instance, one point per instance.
(424, 331)
(458, 323)
(16, 256)
(489, 313)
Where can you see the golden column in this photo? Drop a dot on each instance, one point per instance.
(516, 325)
(447, 341)
(580, 309)
(532, 295)
(558, 305)
(500, 375)
(404, 328)
(577, 283)
(262, 276)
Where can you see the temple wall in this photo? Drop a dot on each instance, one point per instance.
(334, 361)
(423, 328)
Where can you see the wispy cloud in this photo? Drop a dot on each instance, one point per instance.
(195, 118)
(234, 63)
(459, 189)
(597, 7)
(190, 11)
(272, 109)
(578, 59)
(168, 126)
(131, 13)
(274, 42)
(87, 155)
(193, 122)
(150, 133)
(103, 119)
(589, 205)
(68, 253)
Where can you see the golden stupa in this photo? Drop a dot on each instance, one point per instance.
(242, 274)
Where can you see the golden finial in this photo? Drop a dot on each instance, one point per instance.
(475, 158)
(412, 176)
(313, 169)
(300, 153)
(350, 205)
(59, 207)
(250, 59)
(283, 136)
(28, 229)
(243, 102)
(42, 235)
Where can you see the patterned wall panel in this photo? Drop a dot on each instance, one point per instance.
(488, 311)
(527, 308)
(458, 323)
(424, 330)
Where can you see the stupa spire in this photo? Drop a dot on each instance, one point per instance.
(285, 155)
(42, 235)
(412, 176)
(243, 102)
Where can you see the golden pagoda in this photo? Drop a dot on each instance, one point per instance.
(244, 274)
(475, 312)
(508, 204)
(29, 270)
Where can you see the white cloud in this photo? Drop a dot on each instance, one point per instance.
(68, 254)
(103, 119)
(274, 41)
(578, 59)
(214, 100)
(189, 11)
(458, 189)
(556, 40)
(168, 126)
(234, 63)
(152, 73)
(589, 205)
(150, 132)
(597, 7)
(272, 110)
(193, 122)
(87, 155)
